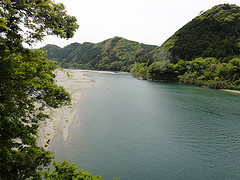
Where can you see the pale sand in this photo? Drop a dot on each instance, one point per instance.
(62, 118)
(232, 91)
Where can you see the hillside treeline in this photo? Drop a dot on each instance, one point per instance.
(203, 52)
(115, 54)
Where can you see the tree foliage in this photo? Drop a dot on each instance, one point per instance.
(208, 72)
(27, 83)
(65, 170)
(30, 20)
(212, 73)
(214, 33)
(116, 54)
(204, 52)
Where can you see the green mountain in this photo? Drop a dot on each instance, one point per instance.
(204, 52)
(214, 33)
(116, 54)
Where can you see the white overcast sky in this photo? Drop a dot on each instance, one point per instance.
(144, 21)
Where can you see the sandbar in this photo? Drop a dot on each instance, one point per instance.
(62, 118)
(231, 91)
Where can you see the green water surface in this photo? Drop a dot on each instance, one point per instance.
(142, 130)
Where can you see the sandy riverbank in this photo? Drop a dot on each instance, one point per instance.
(62, 118)
(231, 91)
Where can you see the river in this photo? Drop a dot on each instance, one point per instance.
(140, 130)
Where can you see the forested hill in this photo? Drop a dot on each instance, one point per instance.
(204, 52)
(214, 33)
(116, 54)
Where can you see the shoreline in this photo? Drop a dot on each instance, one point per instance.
(62, 118)
(231, 91)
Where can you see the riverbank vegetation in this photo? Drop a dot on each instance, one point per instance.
(204, 52)
(208, 72)
(27, 88)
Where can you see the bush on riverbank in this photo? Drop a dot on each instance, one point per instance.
(208, 72)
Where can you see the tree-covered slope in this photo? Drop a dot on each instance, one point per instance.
(112, 54)
(214, 33)
(204, 52)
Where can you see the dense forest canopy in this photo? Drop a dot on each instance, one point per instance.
(210, 40)
(116, 54)
(27, 88)
(214, 33)
(204, 52)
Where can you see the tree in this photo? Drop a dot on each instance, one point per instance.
(27, 84)
(64, 170)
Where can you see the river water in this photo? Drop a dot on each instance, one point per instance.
(140, 130)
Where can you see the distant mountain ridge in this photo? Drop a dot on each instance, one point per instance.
(214, 33)
(116, 54)
(204, 52)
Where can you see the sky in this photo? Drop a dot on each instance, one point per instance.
(145, 21)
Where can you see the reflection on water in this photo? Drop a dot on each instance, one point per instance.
(146, 130)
